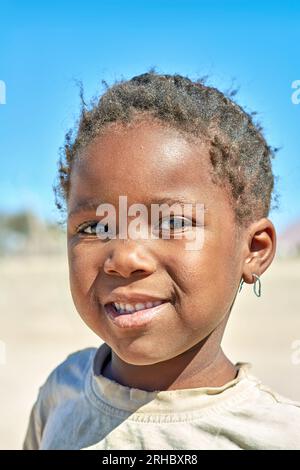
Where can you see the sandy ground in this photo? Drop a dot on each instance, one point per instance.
(40, 327)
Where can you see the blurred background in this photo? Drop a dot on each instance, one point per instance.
(45, 49)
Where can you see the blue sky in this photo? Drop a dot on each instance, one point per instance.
(46, 46)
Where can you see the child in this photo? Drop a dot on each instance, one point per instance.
(160, 379)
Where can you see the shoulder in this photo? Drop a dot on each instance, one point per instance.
(66, 380)
(75, 363)
(279, 403)
(282, 419)
(272, 420)
(70, 374)
(265, 396)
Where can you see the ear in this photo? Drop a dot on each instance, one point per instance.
(259, 249)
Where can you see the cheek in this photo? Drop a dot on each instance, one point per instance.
(83, 271)
(206, 279)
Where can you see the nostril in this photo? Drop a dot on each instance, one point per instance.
(138, 271)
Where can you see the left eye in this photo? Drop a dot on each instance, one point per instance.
(175, 223)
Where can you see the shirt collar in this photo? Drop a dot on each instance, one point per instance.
(130, 399)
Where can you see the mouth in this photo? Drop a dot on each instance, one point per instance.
(134, 315)
(125, 309)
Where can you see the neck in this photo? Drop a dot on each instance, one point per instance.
(203, 365)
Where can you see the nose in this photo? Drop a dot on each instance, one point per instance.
(128, 258)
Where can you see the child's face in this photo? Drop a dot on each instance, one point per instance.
(150, 163)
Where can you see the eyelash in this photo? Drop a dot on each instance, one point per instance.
(80, 228)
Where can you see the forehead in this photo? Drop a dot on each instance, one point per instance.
(141, 160)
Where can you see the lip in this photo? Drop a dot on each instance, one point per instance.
(137, 319)
(132, 298)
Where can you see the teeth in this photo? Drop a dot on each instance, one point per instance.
(130, 308)
(139, 306)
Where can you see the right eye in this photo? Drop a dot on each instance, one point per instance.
(93, 228)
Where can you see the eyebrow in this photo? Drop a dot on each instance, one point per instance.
(92, 205)
(84, 206)
(178, 200)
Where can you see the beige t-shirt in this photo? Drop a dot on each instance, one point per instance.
(78, 408)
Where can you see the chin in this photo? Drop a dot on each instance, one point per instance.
(137, 352)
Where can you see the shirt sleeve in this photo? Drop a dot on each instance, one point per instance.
(40, 412)
(62, 384)
(34, 431)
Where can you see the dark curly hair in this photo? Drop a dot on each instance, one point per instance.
(239, 154)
